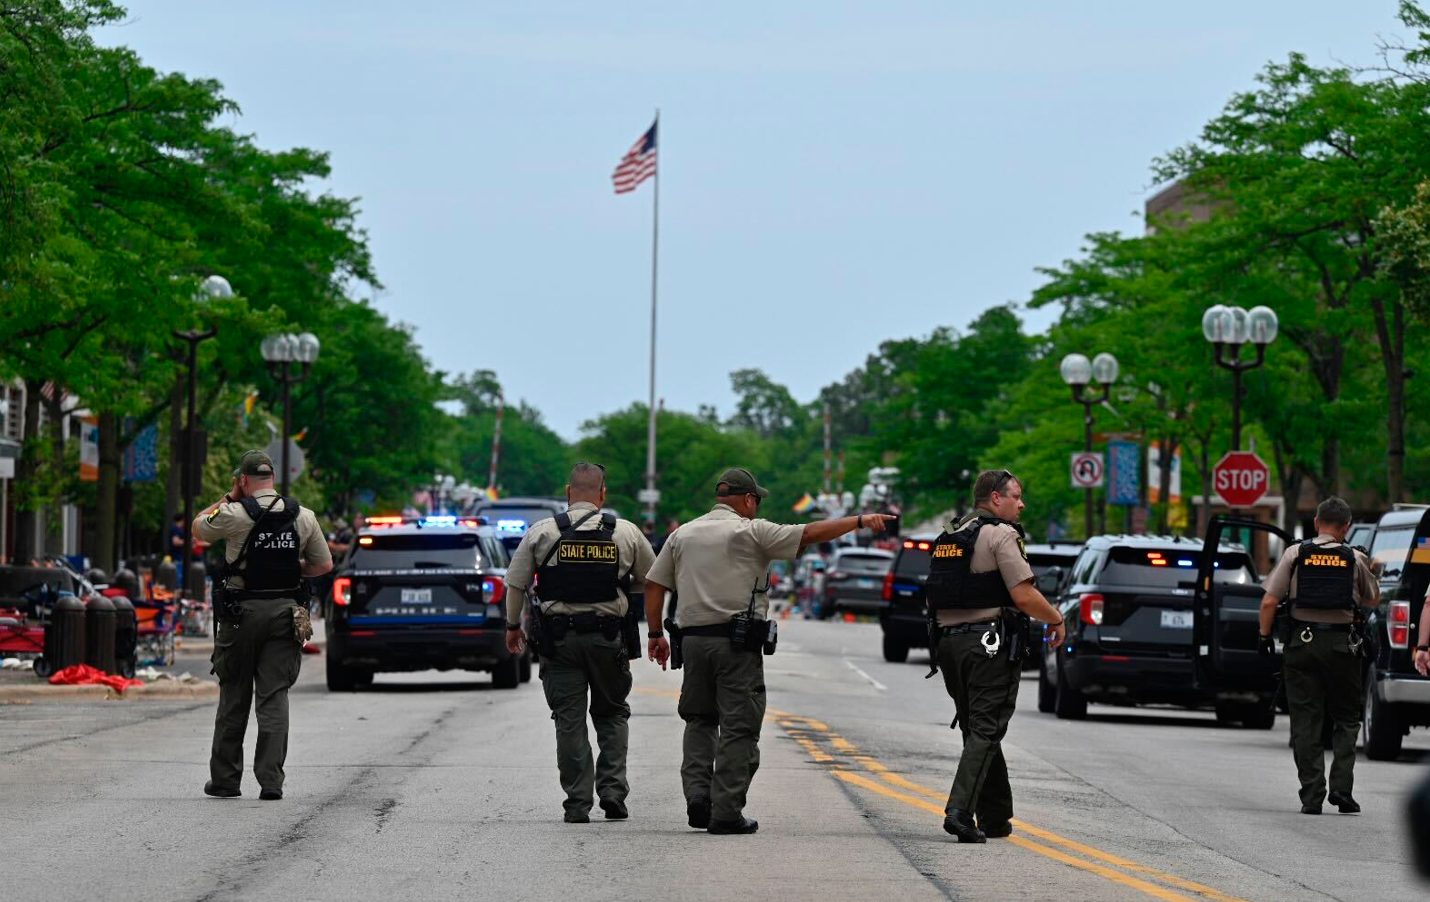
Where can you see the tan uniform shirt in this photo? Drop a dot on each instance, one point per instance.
(714, 562)
(999, 547)
(1282, 584)
(230, 522)
(634, 555)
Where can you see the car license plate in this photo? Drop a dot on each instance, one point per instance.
(418, 596)
(1177, 620)
(866, 584)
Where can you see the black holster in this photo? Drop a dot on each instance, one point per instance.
(935, 634)
(749, 634)
(1017, 629)
(631, 631)
(541, 633)
(226, 603)
(675, 636)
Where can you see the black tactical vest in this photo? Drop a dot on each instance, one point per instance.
(585, 565)
(951, 587)
(1325, 577)
(272, 567)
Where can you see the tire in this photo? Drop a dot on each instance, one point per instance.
(1047, 692)
(526, 668)
(1259, 715)
(340, 678)
(895, 652)
(1068, 703)
(362, 679)
(1227, 713)
(43, 668)
(126, 668)
(507, 674)
(1381, 730)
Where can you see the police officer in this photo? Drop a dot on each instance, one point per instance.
(586, 564)
(271, 544)
(1323, 580)
(978, 577)
(719, 565)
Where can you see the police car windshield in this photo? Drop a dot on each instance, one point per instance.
(417, 551)
(514, 518)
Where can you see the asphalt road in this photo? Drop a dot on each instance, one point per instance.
(436, 786)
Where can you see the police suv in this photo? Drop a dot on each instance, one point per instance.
(421, 593)
(511, 517)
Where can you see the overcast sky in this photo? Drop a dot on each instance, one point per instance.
(832, 173)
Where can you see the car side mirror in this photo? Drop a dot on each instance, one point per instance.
(1050, 580)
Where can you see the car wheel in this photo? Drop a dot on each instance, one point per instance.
(340, 678)
(895, 652)
(1226, 713)
(1260, 715)
(1068, 703)
(363, 678)
(526, 668)
(507, 674)
(1047, 692)
(1381, 731)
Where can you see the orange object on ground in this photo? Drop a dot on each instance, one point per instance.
(84, 675)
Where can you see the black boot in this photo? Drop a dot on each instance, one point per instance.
(1344, 803)
(960, 824)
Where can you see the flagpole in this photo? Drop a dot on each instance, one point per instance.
(654, 273)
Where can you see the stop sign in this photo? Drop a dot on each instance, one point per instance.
(1241, 478)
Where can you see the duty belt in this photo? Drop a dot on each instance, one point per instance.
(1318, 627)
(717, 630)
(981, 626)
(584, 623)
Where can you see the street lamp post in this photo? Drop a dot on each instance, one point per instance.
(1078, 372)
(281, 352)
(211, 287)
(1228, 328)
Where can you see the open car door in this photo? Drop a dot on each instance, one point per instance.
(1225, 627)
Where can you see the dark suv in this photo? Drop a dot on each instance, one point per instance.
(1131, 605)
(419, 594)
(511, 517)
(903, 619)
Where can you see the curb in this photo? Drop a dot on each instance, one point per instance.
(152, 691)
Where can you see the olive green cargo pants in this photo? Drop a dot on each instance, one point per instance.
(589, 662)
(255, 661)
(1323, 679)
(722, 701)
(984, 692)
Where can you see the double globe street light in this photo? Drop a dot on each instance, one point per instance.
(1079, 372)
(1228, 328)
(289, 358)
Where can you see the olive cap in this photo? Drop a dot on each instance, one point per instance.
(254, 463)
(739, 481)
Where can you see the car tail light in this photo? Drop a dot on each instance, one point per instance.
(888, 593)
(342, 591)
(838, 574)
(1090, 609)
(494, 588)
(1399, 624)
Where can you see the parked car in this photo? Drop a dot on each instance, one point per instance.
(421, 593)
(1155, 619)
(855, 580)
(904, 619)
(511, 517)
(1051, 562)
(1396, 696)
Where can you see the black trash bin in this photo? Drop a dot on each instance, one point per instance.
(126, 636)
(99, 634)
(64, 637)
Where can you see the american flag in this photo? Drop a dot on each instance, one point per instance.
(638, 164)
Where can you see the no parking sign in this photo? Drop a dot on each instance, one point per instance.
(1087, 470)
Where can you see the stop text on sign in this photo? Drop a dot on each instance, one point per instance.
(1240, 481)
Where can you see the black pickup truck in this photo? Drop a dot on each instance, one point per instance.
(1396, 696)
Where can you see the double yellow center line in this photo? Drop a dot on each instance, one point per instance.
(849, 764)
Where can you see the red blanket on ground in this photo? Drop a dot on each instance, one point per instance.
(83, 674)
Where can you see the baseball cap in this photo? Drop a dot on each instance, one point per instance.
(254, 463)
(740, 482)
